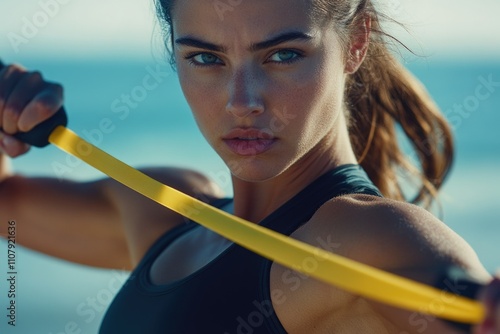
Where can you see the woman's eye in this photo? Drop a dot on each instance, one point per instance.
(284, 56)
(205, 59)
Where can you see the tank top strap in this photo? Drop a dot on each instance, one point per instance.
(343, 180)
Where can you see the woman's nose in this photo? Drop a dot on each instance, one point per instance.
(245, 93)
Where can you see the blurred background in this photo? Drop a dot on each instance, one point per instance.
(101, 51)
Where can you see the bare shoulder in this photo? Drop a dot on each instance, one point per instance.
(144, 220)
(388, 234)
(396, 237)
(188, 181)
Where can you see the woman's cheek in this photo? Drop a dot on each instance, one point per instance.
(202, 96)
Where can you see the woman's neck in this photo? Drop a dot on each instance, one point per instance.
(254, 201)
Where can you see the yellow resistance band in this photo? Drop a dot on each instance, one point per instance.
(331, 268)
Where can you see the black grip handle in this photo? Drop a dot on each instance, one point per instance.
(39, 135)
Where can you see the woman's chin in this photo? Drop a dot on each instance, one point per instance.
(254, 173)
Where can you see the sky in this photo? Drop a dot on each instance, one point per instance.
(454, 29)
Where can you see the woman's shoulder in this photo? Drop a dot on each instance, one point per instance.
(388, 234)
(188, 181)
(143, 220)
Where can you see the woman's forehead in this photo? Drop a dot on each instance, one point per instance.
(251, 20)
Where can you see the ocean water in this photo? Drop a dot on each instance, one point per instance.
(156, 128)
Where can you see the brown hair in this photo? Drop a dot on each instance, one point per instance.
(381, 96)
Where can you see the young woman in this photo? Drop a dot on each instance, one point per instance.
(300, 99)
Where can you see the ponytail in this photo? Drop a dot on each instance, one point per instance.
(381, 96)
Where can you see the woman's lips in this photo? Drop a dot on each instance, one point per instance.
(247, 147)
(248, 142)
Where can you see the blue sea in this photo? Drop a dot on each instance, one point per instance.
(155, 128)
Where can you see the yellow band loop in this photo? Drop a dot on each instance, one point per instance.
(333, 269)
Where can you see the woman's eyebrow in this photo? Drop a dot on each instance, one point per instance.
(198, 43)
(281, 38)
(273, 41)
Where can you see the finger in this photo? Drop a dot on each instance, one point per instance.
(9, 77)
(11, 146)
(28, 85)
(43, 106)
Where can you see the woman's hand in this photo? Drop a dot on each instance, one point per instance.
(26, 100)
(490, 296)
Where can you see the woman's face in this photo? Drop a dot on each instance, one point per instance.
(263, 78)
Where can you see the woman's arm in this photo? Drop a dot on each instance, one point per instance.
(400, 238)
(100, 223)
(68, 220)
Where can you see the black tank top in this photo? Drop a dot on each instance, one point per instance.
(230, 294)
